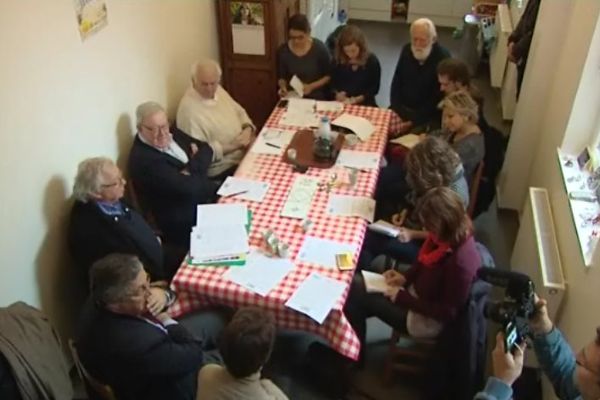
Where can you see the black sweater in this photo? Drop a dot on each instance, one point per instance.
(364, 81)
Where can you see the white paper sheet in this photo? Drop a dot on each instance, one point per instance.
(272, 141)
(300, 119)
(358, 159)
(261, 273)
(409, 141)
(351, 206)
(316, 296)
(300, 197)
(221, 214)
(301, 105)
(384, 228)
(297, 85)
(322, 251)
(254, 190)
(374, 283)
(330, 106)
(219, 240)
(362, 127)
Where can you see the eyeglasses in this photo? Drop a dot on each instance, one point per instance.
(120, 181)
(157, 129)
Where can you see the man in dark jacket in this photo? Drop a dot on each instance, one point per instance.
(169, 173)
(139, 353)
(519, 40)
(415, 92)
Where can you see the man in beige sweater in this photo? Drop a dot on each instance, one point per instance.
(208, 113)
(245, 346)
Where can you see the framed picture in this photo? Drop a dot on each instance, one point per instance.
(247, 28)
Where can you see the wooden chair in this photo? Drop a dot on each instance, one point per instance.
(474, 189)
(144, 209)
(409, 359)
(94, 388)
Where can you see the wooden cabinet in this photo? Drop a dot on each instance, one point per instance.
(249, 34)
(372, 10)
(441, 12)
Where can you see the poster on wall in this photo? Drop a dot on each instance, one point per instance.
(247, 28)
(91, 16)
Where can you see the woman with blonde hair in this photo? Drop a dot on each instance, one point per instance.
(432, 291)
(459, 127)
(356, 72)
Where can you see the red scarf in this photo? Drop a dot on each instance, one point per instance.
(432, 251)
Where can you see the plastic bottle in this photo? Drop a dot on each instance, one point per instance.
(324, 130)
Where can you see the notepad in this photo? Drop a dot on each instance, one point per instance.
(316, 296)
(374, 283)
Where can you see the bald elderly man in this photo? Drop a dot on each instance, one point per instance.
(415, 91)
(209, 114)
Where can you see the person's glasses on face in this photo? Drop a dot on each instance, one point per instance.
(156, 130)
(118, 182)
(297, 37)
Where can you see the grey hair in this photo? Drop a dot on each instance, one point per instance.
(204, 65)
(111, 278)
(428, 24)
(145, 110)
(89, 177)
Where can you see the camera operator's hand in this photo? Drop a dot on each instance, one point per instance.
(507, 366)
(540, 323)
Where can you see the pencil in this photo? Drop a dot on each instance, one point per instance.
(272, 145)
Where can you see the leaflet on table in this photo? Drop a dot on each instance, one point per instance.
(244, 189)
(329, 106)
(297, 85)
(351, 206)
(222, 214)
(409, 141)
(385, 228)
(374, 283)
(322, 251)
(207, 243)
(316, 296)
(272, 141)
(299, 118)
(261, 273)
(299, 200)
(362, 127)
(358, 159)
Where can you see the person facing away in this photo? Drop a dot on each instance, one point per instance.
(246, 344)
(169, 172)
(209, 114)
(356, 72)
(140, 351)
(305, 57)
(414, 92)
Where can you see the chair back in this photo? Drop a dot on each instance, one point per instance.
(474, 188)
(137, 202)
(94, 388)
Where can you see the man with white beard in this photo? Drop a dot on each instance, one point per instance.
(415, 91)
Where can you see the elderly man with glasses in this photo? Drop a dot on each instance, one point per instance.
(209, 114)
(140, 352)
(169, 173)
(574, 376)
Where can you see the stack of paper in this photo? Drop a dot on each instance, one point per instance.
(362, 127)
(261, 273)
(351, 206)
(244, 189)
(409, 141)
(358, 159)
(220, 234)
(272, 141)
(316, 296)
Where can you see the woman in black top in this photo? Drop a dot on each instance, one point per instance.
(356, 73)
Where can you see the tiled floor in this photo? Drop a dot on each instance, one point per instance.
(496, 229)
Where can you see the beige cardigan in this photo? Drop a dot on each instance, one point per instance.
(216, 383)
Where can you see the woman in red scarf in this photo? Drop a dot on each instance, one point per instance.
(432, 292)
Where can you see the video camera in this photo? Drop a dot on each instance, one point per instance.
(515, 309)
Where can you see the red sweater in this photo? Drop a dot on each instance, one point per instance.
(444, 288)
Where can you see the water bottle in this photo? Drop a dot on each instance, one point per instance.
(324, 130)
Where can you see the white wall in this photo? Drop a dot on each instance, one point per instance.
(62, 101)
(566, 115)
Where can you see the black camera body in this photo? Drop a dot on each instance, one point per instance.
(515, 309)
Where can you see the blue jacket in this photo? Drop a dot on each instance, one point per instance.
(556, 359)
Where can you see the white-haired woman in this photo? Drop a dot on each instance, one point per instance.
(102, 223)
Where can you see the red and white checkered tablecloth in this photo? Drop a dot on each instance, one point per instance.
(198, 287)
